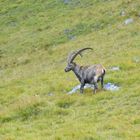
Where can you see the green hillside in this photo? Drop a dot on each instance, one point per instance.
(35, 39)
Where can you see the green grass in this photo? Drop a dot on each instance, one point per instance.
(35, 39)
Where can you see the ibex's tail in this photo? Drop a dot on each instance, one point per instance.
(104, 71)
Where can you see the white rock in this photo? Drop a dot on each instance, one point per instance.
(115, 68)
(108, 86)
(128, 21)
(122, 13)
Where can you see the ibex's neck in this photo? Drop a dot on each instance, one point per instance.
(78, 72)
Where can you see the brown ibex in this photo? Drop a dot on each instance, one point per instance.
(86, 74)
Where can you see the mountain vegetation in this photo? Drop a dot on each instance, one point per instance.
(35, 39)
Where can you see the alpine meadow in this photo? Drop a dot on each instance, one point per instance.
(36, 37)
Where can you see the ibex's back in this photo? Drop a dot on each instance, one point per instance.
(92, 74)
(86, 74)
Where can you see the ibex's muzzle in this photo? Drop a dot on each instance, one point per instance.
(66, 70)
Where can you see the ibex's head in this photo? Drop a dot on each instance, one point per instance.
(70, 66)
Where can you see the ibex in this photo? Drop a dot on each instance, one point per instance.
(86, 74)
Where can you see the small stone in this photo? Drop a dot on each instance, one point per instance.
(66, 31)
(115, 68)
(108, 86)
(111, 87)
(71, 37)
(66, 1)
(136, 59)
(74, 89)
(128, 21)
(122, 13)
(50, 94)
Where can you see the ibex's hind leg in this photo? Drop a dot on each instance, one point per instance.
(102, 82)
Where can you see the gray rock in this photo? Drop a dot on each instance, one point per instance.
(74, 89)
(67, 1)
(122, 13)
(108, 86)
(115, 68)
(66, 31)
(111, 87)
(50, 94)
(128, 21)
(71, 37)
(136, 59)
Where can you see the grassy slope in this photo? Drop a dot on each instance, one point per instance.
(35, 39)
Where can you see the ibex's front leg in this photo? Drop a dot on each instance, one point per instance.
(82, 86)
(95, 87)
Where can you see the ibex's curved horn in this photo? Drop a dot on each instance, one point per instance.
(74, 54)
(71, 56)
